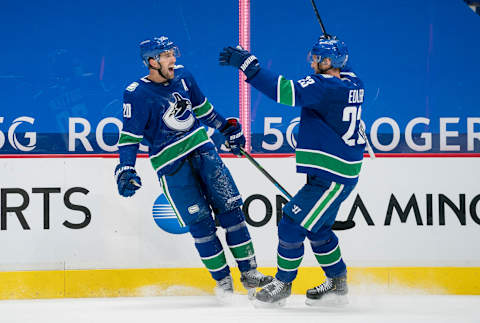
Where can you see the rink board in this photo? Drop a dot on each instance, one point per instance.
(197, 281)
(69, 234)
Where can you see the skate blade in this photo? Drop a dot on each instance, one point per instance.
(277, 304)
(328, 301)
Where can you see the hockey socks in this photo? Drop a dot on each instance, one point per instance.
(210, 248)
(290, 249)
(327, 252)
(238, 239)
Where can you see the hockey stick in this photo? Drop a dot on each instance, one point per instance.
(337, 225)
(361, 131)
(264, 172)
(320, 20)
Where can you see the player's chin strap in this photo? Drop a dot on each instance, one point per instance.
(325, 71)
(159, 70)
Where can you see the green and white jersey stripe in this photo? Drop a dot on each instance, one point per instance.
(179, 148)
(285, 91)
(163, 181)
(322, 205)
(328, 162)
(243, 251)
(329, 258)
(216, 262)
(203, 109)
(128, 138)
(288, 264)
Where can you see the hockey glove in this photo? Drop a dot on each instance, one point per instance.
(241, 59)
(232, 130)
(127, 180)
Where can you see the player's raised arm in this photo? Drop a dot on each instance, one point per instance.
(303, 92)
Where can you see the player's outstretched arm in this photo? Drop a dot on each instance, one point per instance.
(275, 86)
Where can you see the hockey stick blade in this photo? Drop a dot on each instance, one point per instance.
(343, 225)
(337, 225)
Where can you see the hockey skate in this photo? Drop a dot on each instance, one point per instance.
(273, 294)
(224, 289)
(333, 292)
(252, 279)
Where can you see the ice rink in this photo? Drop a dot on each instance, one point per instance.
(362, 308)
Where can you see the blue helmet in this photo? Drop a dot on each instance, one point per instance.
(332, 48)
(152, 48)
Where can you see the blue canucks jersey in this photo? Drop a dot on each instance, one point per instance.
(166, 117)
(328, 144)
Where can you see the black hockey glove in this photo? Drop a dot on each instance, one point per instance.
(241, 59)
(232, 130)
(127, 180)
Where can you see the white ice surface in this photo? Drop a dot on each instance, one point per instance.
(362, 308)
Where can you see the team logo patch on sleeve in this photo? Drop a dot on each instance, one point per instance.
(132, 87)
(193, 209)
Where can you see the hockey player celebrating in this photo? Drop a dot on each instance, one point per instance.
(329, 151)
(164, 109)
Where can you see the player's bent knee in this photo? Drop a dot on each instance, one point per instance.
(290, 245)
(321, 238)
(231, 218)
(204, 227)
(290, 231)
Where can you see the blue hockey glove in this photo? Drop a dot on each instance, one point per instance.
(241, 59)
(232, 130)
(127, 180)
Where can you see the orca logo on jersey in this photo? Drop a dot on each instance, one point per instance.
(179, 113)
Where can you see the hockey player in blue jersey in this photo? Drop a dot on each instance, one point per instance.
(164, 110)
(330, 153)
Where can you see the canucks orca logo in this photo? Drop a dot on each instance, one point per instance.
(179, 113)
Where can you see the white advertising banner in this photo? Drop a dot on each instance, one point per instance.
(65, 213)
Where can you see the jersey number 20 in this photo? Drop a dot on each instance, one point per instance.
(352, 114)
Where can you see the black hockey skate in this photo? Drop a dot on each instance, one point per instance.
(224, 289)
(333, 292)
(252, 279)
(274, 293)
